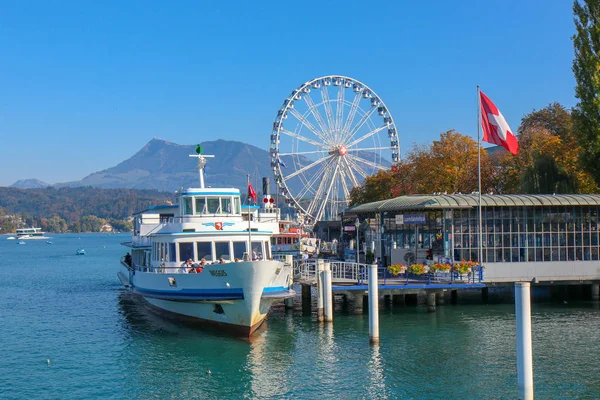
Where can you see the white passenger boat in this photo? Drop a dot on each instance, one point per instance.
(31, 234)
(240, 281)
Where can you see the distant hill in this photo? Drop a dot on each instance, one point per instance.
(166, 166)
(29, 184)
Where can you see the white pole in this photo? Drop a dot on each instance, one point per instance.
(479, 173)
(524, 351)
(327, 293)
(319, 290)
(373, 305)
(250, 253)
(289, 259)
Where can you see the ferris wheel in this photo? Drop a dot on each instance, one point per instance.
(329, 135)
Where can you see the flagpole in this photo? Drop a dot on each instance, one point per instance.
(479, 176)
(249, 228)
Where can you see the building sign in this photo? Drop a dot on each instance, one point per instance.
(349, 228)
(403, 219)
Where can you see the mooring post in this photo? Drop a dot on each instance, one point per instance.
(327, 293)
(595, 291)
(319, 290)
(524, 351)
(289, 259)
(373, 305)
(306, 299)
(431, 301)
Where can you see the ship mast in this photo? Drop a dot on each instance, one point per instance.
(201, 162)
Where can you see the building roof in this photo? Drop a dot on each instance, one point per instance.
(454, 201)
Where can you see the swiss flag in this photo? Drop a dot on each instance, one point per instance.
(495, 128)
(219, 226)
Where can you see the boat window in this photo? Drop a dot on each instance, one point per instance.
(187, 206)
(222, 250)
(257, 251)
(213, 205)
(200, 205)
(186, 251)
(226, 205)
(204, 250)
(236, 203)
(239, 248)
(172, 253)
(267, 251)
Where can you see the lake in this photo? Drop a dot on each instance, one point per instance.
(102, 342)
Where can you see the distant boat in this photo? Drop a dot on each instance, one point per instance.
(80, 252)
(31, 233)
(49, 241)
(21, 242)
(11, 238)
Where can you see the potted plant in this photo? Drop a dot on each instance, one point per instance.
(396, 269)
(418, 269)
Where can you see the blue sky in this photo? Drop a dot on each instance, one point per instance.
(86, 84)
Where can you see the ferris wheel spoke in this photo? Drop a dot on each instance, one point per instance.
(367, 162)
(304, 152)
(314, 110)
(306, 123)
(339, 111)
(355, 149)
(300, 137)
(324, 204)
(360, 123)
(318, 194)
(359, 169)
(352, 112)
(308, 186)
(367, 135)
(306, 168)
(343, 178)
(327, 107)
(350, 172)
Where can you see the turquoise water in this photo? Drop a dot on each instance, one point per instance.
(103, 343)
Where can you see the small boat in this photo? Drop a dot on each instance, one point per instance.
(21, 242)
(207, 258)
(80, 252)
(49, 241)
(11, 238)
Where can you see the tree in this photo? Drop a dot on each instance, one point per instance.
(586, 67)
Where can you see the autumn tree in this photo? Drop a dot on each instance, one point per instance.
(548, 157)
(586, 67)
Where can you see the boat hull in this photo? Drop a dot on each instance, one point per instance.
(234, 296)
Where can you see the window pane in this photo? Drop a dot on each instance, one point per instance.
(222, 250)
(239, 248)
(187, 204)
(257, 250)
(186, 251)
(236, 202)
(172, 252)
(267, 251)
(213, 205)
(200, 205)
(226, 205)
(204, 251)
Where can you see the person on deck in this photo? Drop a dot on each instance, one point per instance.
(128, 259)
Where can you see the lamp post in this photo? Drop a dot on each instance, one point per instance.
(357, 225)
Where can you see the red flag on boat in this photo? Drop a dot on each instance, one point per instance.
(495, 127)
(251, 192)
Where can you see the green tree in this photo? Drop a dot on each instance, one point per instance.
(586, 67)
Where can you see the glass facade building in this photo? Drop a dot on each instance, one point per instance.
(515, 228)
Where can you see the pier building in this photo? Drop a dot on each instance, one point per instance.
(524, 237)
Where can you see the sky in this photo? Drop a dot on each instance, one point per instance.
(84, 85)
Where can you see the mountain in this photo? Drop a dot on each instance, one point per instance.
(29, 184)
(166, 166)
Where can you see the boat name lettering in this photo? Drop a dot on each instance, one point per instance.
(218, 272)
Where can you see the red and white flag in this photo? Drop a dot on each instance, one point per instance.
(495, 127)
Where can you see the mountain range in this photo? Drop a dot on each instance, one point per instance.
(166, 166)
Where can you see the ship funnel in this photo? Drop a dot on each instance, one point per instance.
(266, 186)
